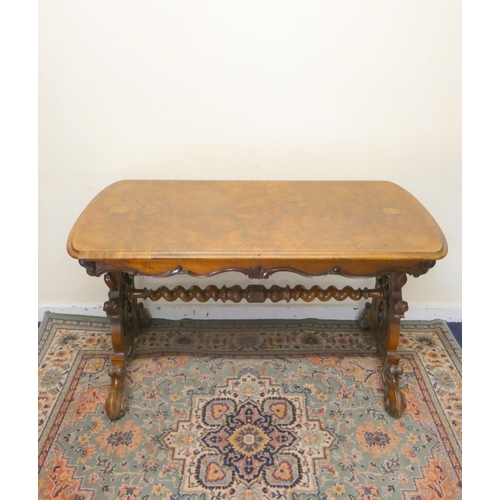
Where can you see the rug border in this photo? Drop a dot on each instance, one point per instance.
(160, 321)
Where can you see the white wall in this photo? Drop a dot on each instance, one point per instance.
(247, 90)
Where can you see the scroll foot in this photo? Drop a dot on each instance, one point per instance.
(394, 399)
(115, 402)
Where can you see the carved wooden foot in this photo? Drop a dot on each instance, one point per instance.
(394, 399)
(115, 408)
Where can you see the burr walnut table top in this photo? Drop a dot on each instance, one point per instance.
(231, 220)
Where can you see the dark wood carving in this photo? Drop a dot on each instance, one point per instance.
(89, 265)
(115, 407)
(425, 266)
(394, 399)
(127, 319)
(254, 293)
(384, 316)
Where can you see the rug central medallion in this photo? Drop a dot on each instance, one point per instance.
(250, 435)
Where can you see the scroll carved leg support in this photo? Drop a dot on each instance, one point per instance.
(127, 318)
(384, 315)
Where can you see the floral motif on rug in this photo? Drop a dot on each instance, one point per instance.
(259, 422)
(249, 433)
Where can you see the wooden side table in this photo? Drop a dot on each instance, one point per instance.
(258, 228)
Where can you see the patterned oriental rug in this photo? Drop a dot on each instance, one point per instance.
(253, 410)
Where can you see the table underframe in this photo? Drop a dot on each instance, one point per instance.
(382, 314)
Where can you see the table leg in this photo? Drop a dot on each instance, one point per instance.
(383, 315)
(127, 318)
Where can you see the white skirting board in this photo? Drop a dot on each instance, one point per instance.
(258, 311)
